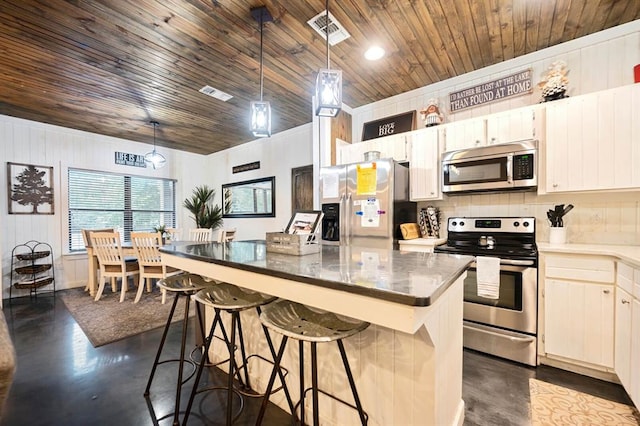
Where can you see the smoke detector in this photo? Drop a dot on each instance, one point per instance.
(336, 31)
(215, 93)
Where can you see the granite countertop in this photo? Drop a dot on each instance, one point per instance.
(408, 278)
(627, 254)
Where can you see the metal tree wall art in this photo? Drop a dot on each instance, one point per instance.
(30, 189)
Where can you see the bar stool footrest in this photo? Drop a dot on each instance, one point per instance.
(224, 388)
(252, 394)
(335, 398)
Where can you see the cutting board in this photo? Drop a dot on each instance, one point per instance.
(410, 231)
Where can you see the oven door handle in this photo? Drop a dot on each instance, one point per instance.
(516, 262)
(504, 336)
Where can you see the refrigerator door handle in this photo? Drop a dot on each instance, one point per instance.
(347, 221)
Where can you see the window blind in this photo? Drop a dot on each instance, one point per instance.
(99, 200)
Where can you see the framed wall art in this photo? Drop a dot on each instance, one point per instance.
(30, 189)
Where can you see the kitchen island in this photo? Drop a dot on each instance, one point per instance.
(407, 364)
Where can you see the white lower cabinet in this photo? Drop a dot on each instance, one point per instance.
(634, 389)
(624, 306)
(579, 301)
(579, 321)
(627, 364)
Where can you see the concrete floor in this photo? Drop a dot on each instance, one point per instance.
(63, 380)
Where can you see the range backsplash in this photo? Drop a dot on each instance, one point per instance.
(598, 218)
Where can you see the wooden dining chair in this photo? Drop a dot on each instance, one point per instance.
(226, 235)
(88, 246)
(200, 234)
(146, 245)
(107, 247)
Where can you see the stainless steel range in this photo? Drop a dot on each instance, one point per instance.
(504, 324)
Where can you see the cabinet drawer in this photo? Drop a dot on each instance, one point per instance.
(624, 278)
(582, 268)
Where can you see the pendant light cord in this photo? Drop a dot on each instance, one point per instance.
(327, 31)
(261, 73)
(155, 124)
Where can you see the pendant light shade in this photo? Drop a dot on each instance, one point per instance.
(328, 84)
(154, 159)
(261, 119)
(328, 92)
(261, 110)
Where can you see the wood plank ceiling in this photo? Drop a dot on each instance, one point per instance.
(112, 66)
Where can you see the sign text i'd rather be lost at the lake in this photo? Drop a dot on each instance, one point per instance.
(491, 91)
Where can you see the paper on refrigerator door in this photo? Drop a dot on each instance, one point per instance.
(366, 179)
(330, 185)
(488, 276)
(370, 217)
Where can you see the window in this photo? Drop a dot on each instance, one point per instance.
(99, 200)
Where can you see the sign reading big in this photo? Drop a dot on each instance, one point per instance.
(496, 90)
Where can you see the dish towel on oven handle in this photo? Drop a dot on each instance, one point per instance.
(488, 276)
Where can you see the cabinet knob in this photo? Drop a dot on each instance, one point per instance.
(493, 140)
(477, 141)
(625, 302)
(555, 185)
(606, 291)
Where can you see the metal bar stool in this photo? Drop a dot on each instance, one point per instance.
(305, 324)
(182, 285)
(233, 300)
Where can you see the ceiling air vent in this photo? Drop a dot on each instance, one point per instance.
(215, 93)
(337, 33)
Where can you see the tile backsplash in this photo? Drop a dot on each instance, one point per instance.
(597, 218)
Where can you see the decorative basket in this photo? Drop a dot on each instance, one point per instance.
(33, 256)
(295, 244)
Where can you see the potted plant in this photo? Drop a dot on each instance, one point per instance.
(201, 206)
(162, 229)
(558, 233)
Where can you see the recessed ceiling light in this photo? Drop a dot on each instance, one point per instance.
(374, 53)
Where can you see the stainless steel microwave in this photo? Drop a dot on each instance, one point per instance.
(500, 167)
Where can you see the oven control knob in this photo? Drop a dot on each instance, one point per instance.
(461, 223)
(526, 224)
(516, 224)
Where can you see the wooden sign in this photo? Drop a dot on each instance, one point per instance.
(400, 123)
(506, 87)
(245, 167)
(126, 159)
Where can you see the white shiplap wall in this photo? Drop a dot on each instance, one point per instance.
(277, 155)
(30, 142)
(597, 62)
(36, 143)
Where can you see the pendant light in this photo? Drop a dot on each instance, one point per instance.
(261, 110)
(328, 84)
(154, 159)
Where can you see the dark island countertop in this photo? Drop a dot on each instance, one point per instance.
(409, 278)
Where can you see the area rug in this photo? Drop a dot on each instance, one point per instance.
(108, 320)
(557, 405)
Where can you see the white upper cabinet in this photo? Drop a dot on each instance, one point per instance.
(509, 126)
(465, 134)
(394, 146)
(592, 141)
(424, 165)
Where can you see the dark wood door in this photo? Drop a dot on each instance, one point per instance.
(302, 188)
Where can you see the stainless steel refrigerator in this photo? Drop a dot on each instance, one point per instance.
(363, 204)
